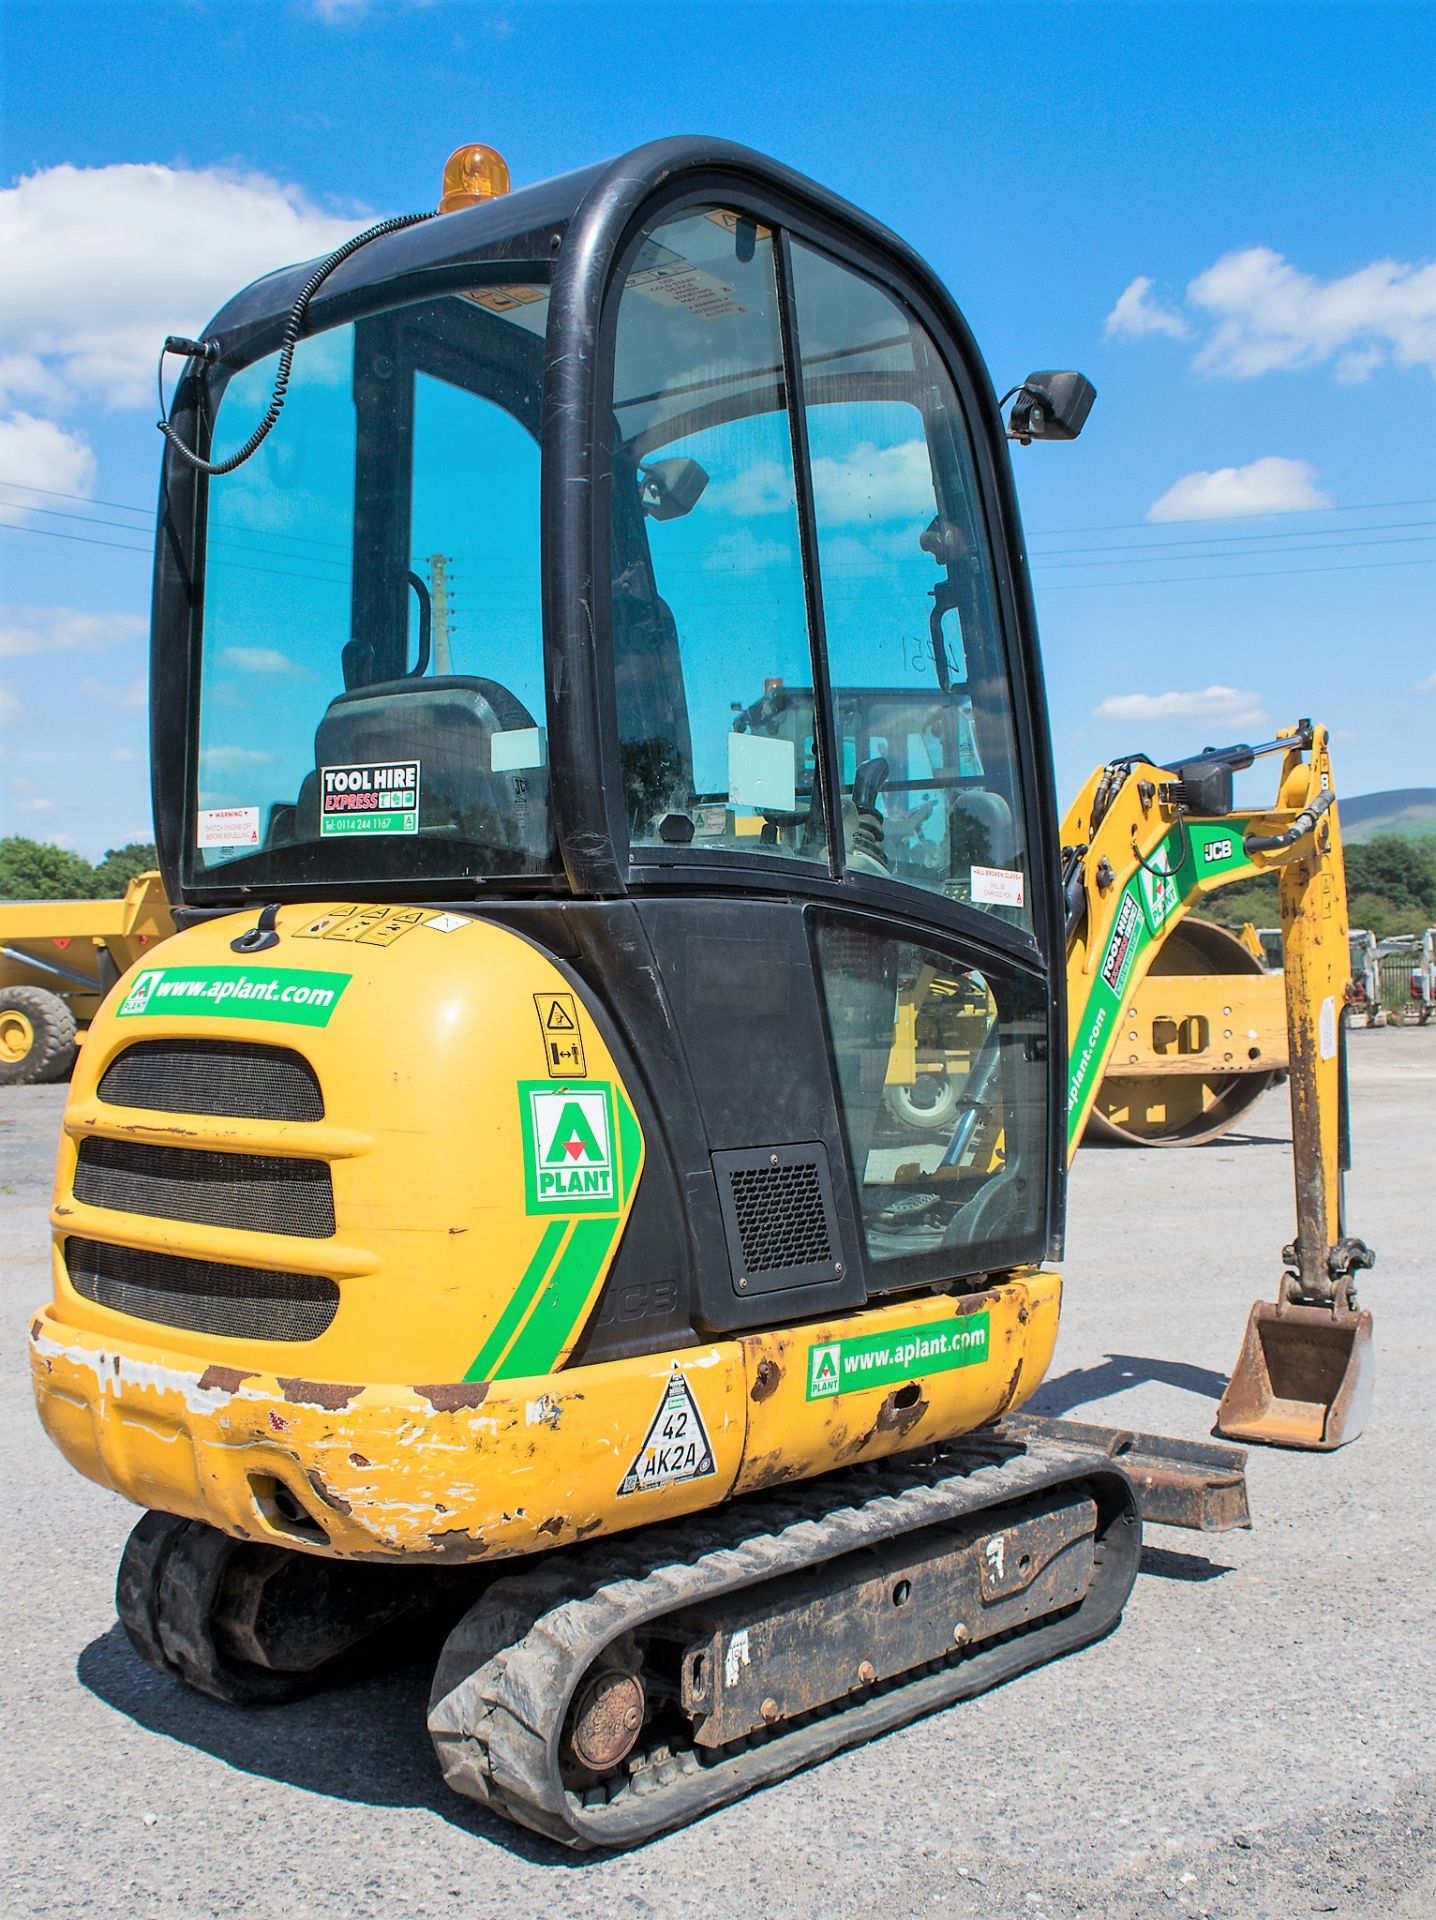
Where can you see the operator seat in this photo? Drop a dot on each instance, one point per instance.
(449, 724)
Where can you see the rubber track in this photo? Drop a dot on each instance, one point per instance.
(511, 1666)
(169, 1580)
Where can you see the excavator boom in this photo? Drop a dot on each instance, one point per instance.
(1143, 846)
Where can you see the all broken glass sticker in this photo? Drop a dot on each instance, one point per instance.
(376, 796)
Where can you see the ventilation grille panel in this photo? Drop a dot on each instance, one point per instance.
(202, 1296)
(778, 1214)
(255, 1192)
(225, 1078)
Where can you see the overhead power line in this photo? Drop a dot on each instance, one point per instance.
(1200, 580)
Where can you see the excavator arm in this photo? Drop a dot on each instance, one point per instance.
(1142, 846)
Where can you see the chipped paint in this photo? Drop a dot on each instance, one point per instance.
(329, 1394)
(449, 1397)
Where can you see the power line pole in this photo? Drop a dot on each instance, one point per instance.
(439, 594)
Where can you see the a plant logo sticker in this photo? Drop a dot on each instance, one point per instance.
(138, 997)
(569, 1160)
(822, 1371)
(1160, 895)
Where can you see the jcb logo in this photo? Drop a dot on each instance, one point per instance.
(1217, 850)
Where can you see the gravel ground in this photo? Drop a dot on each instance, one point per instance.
(1253, 1741)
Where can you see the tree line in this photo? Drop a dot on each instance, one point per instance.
(1390, 881)
(34, 870)
(1390, 888)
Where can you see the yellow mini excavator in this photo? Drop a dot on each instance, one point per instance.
(599, 754)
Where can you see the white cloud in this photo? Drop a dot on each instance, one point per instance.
(10, 708)
(134, 693)
(868, 483)
(1136, 314)
(333, 12)
(23, 376)
(874, 483)
(103, 262)
(1428, 685)
(214, 757)
(47, 630)
(29, 798)
(126, 757)
(1260, 314)
(258, 660)
(1270, 315)
(764, 487)
(37, 453)
(1271, 485)
(1227, 704)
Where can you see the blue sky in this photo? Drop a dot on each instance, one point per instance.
(1224, 215)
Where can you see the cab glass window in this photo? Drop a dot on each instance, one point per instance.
(921, 692)
(710, 634)
(942, 1088)
(371, 681)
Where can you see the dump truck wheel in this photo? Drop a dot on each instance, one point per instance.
(37, 1036)
(930, 1102)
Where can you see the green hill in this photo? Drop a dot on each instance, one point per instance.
(1410, 811)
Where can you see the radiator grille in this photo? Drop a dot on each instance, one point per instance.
(202, 1296)
(226, 1078)
(780, 1216)
(777, 1205)
(256, 1192)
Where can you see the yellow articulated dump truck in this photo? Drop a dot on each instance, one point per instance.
(492, 1200)
(58, 960)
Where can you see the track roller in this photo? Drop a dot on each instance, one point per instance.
(623, 1689)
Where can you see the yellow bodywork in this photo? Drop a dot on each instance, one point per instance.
(439, 1412)
(68, 938)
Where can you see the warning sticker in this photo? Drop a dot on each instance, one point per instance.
(227, 827)
(370, 926)
(562, 1036)
(996, 887)
(376, 796)
(676, 1446)
(506, 299)
(693, 288)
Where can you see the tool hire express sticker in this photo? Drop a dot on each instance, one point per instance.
(375, 796)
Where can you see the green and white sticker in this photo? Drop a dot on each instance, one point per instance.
(570, 1163)
(1149, 900)
(372, 796)
(880, 1359)
(293, 996)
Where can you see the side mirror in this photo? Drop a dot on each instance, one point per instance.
(1050, 406)
(670, 488)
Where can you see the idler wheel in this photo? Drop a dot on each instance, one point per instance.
(607, 1719)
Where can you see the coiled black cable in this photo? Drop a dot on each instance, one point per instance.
(293, 327)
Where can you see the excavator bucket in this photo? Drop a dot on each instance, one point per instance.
(1303, 1378)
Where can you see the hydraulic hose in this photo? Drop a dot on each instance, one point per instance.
(1304, 823)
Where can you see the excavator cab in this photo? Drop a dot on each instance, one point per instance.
(485, 617)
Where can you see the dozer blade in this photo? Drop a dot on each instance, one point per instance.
(1303, 1378)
